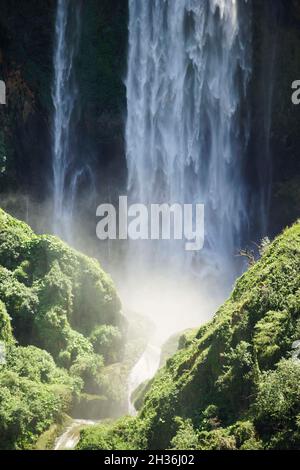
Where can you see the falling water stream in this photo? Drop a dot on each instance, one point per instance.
(187, 133)
(64, 96)
(70, 437)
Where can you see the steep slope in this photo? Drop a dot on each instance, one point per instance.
(62, 330)
(234, 384)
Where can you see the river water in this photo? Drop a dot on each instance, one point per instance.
(70, 438)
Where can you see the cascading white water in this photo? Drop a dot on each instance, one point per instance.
(189, 67)
(64, 95)
(70, 437)
(187, 132)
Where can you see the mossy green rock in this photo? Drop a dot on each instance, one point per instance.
(52, 301)
(54, 295)
(234, 384)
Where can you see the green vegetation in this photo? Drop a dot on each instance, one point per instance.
(34, 393)
(62, 329)
(169, 348)
(233, 384)
(107, 340)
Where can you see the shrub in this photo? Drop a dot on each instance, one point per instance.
(33, 394)
(186, 438)
(107, 341)
(277, 405)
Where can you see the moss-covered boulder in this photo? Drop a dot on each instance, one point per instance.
(235, 384)
(55, 296)
(61, 328)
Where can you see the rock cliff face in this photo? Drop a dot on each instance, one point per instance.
(274, 144)
(26, 65)
(285, 135)
(26, 51)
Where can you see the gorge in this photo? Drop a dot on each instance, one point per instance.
(191, 120)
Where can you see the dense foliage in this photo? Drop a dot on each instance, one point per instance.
(235, 383)
(34, 393)
(61, 326)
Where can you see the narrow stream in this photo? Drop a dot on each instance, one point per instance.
(70, 438)
(143, 371)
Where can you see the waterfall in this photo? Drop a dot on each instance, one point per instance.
(187, 128)
(187, 133)
(65, 97)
